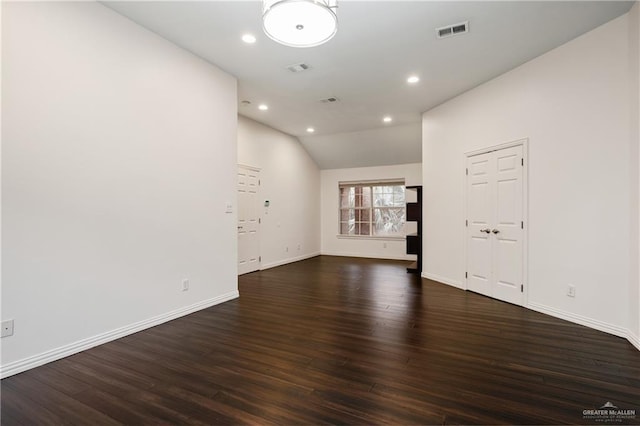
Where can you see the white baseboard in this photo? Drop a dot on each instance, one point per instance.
(408, 258)
(443, 280)
(579, 319)
(289, 260)
(558, 313)
(28, 363)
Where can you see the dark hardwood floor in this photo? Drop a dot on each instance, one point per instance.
(341, 341)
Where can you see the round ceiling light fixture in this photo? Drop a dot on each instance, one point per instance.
(300, 23)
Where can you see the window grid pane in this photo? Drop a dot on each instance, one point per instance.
(389, 221)
(372, 210)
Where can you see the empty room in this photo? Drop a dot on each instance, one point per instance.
(298, 212)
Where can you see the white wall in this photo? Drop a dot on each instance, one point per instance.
(290, 180)
(361, 246)
(634, 73)
(573, 105)
(119, 154)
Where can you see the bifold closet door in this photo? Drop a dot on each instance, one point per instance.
(495, 224)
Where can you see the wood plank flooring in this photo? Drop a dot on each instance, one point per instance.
(335, 340)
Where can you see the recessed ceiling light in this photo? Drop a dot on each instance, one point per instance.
(387, 119)
(249, 38)
(263, 107)
(310, 130)
(413, 79)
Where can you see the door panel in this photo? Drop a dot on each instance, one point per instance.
(479, 268)
(507, 271)
(479, 215)
(507, 208)
(248, 220)
(507, 266)
(495, 203)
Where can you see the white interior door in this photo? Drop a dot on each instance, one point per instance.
(479, 216)
(248, 220)
(495, 263)
(507, 232)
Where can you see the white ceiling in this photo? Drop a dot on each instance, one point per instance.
(378, 45)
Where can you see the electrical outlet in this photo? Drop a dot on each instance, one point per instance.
(185, 285)
(286, 249)
(7, 328)
(298, 247)
(384, 245)
(571, 291)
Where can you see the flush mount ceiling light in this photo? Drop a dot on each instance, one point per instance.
(413, 79)
(300, 23)
(263, 107)
(387, 119)
(310, 130)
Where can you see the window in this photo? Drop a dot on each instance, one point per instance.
(375, 209)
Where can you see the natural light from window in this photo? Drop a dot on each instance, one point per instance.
(372, 209)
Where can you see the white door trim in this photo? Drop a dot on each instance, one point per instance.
(244, 166)
(525, 210)
(524, 142)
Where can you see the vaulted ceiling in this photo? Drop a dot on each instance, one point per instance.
(366, 65)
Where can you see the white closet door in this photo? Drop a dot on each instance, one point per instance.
(507, 230)
(495, 222)
(248, 220)
(480, 188)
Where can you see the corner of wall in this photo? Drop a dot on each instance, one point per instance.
(634, 158)
(290, 180)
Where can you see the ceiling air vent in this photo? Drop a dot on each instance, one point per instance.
(329, 100)
(451, 30)
(298, 67)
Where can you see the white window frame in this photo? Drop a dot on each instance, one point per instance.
(371, 209)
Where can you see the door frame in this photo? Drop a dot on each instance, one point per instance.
(524, 142)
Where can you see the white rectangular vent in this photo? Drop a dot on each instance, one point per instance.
(329, 100)
(451, 30)
(298, 67)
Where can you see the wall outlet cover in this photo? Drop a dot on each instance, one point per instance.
(7, 328)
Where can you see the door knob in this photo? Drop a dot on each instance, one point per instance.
(485, 230)
(495, 231)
